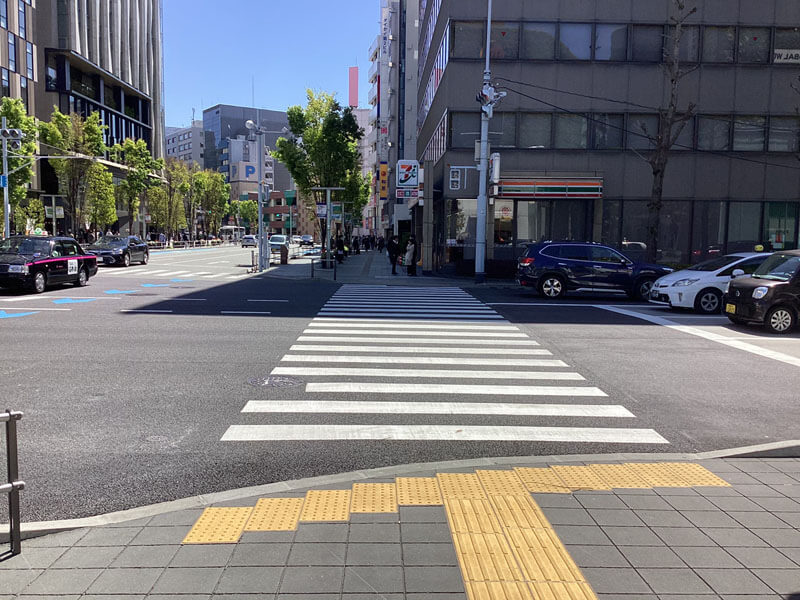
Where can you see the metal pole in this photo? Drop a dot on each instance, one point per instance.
(260, 176)
(13, 476)
(54, 215)
(6, 205)
(328, 223)
(483, 168)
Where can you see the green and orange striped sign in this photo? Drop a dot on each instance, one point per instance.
(540, 189)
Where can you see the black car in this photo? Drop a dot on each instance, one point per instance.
(120, 250)
(553, 268)
(770, 296)
(35, 262)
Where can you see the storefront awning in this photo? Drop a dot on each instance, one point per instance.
(541, 189)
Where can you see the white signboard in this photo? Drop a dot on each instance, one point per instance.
(407, 174)
(784, 56)
(322, 210)
(72, 267)
(48, 212)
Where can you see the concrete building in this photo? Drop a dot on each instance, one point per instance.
(584, 81)
(186, 143)
(366, 149)
(18, 66)
(239, 158)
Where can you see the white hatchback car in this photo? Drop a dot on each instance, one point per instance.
(701, 286)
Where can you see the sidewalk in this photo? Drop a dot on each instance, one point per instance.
(551, 528)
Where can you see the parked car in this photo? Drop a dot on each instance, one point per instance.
(35, 262)
(276, 241)
(700, 287)
(770, 297)
(307, 240)
(297, 239)
(120, 250)
(553, 268)
(249, 240)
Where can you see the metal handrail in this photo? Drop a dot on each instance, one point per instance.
(320, 261)
(14, 485)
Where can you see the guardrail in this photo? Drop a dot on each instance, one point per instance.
(322, 267)
(179, 245)
(14, 485)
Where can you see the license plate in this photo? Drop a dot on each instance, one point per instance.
(730, 308)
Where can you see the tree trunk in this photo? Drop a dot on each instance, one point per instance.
(654, 212)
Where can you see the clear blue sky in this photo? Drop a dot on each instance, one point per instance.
(214, 48)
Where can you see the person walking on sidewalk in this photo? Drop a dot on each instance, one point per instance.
(410, 258)
(380, 244)
(393, 248)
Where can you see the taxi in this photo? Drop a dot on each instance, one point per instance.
(35, 262)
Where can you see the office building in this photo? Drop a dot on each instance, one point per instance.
(186, 143)
(585, 82)
(18, 72)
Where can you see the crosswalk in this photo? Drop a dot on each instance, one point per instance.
(400, 356)
(169, 273)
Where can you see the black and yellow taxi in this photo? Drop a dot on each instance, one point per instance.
(35, 261)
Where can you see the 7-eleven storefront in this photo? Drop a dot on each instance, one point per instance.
(522, 211)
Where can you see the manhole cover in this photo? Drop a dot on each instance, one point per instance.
(275, 382)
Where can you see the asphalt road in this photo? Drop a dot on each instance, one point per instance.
(133, 387)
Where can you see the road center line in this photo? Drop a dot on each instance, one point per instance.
(410, 360)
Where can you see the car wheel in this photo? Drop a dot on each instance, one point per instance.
(708, 302)
(39, 282)
(780, 320)
(146, 258)
(126, 260)
(641, 290)
(83, 278)
(552, 286)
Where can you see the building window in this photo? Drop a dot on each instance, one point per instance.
(749, 133)
(718, 44)
(685, 140)
(23, 92)
(744, 223)
(713, 133)
(539, 41)
(468, 40)
(689, 46)
(534, 130)
(4, 13)
(505, 40)
(753, 44)
(12, 52)
(780, 225)
(787, 44)
(784, 134)
(571, 131)
(29, 59)
(708, 230)
(575, 41)
(611, 42)
(465, 129)
(608, 131)
(648, 43)
(22, 24)
(642, 130)
(5, 82)
(503, 130)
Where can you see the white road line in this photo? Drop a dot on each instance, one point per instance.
(29, 298)
(172, 273)
(319, 338)
(364, 387)
(124, 272)
(430, 332)
(398, 312)
(8, 308)
(142, 310)
(220, 262)
(410, 360)
(430, 326)
(213, 276)
(264, 300)
(439, 408)
(263, 433)
(422, 373)
(461, 303)
(242, 312)
(708, 335)
(199, 273)
(433, 318)
(339, 321)
(568, 304)
(493, 351)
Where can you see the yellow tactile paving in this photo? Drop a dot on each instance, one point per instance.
(502, 483)
(219, 525)
(326, 505)
(619, 476)
(696, 475)
(460, 485)
(374, 498)
(657, 474)
(542, 480)
(471, 515)
(580, 478)
(418, 491)
(498, 590)
(486, 557)
(275, 514)
(556, 590)
(546, 563)
(519, 512)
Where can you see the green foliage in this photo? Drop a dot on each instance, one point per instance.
(101, 206)
(139, 175)
(33, 211)
(176, 190)
(211, 194)
(248, 210)
(16, 118)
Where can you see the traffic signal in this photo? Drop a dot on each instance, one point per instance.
(13, 136)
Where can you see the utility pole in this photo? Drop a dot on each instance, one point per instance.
(329, 210)
(15, 137)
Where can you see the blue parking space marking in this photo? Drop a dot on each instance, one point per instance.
(120, 291)
(154, 285)
(5, 315)
(181, 280)
(73, 300)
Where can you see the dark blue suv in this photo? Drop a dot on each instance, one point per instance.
(553, 268)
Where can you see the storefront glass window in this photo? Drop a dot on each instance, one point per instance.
(611, 222)
(753, 44)
(673, 232)
(468, 40)
(571, 131)
(611, 42)
(570, 220)
(575, 41)
(749, 133)
(634, 229)
(713, 133)
(708, 231)
(460, 238)
(784, 134)
(533, 218)
(744, 221)
(648, 43)
(505, 40)
(534, 130)
(718, 44)
(503, 229)
(538, 41)
(780, 225)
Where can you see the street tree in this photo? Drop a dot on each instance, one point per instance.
(101, 205)
(248, 211)
(212, 195)
(28, 216)
(140, 174)
(176, 187)
(82, 141)
(20, 162)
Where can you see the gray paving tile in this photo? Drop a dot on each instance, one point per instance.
(568, 516)
(269, 537)
(674, 581)
(615, 581)
(145, 556)
(589, 535)
(663, 518)
(740, 479)
(718, 466)
(556, 500)
(651, 556)
(202, 555)
(434, 579)
(691, 503)
(751, 465)
(180, 517)
(683, 536)
(309, 580)
(792, 519)
(592, 556)
(411, 596)
(32, 558)
(752, 597)
(194, 580)
(646, 502)
(291, 597)
(735, 537)
(422, 514)
(56, 540)
(778, 504)
(758, 490)
(707, 518)
(785, 465)
(737, 503)
(15, 580)
(125, 581)
(162, 597)
(775, 478)
(374, 532)
(429, 555)
(779, 538)
(759, 520)
(698, 557)
(54, 597)
(373, 579)
(88, 557)
(58, 581)
(321, 532)
(733, 581)
(374, 518)
(317, 554)
(365, 597)
(790, 491)
(763, 558)
(259, 555)
(249, 580)
(156, 536)
(708, 596)
(367, 555)
(630, 597)
(782, 581)
(792, 553)
(601, 501)
(109, 536)
(424, 532)
(632, 536)
(676, 491)
(714, 491)
(615, 516)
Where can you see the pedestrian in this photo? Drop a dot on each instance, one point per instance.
(410, 258)
(356, 247)
(340, 249)
(381, 244)
(393, 249)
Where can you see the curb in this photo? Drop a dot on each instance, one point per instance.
(785, 449)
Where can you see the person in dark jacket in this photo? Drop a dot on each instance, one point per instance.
(393, 248)
(340, 249)
(412, 256)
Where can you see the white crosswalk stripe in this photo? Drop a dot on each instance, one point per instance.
(437, 352)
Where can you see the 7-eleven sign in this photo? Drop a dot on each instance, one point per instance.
(408, 173)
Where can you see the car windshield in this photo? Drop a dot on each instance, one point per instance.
(278, 239)
(109, 242)
(715, 264)
(778, 267)
(25, 246)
